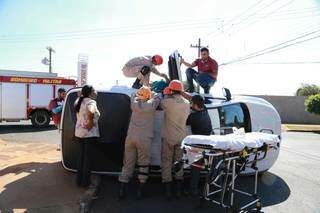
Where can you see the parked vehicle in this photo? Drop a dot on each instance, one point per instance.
(26, 95)
(252, 114)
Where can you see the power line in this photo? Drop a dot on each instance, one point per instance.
(301, 29)
(250, 56)
(261, 18)
(111, 30)
(131, 27)
(245, 18)
(103, 34)
(256, 12)
(99, 35)
(288, 41)
(237, 16)
(268, 14)
(106, 32)
(286, 62)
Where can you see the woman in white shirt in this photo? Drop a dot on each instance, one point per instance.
(87, 131)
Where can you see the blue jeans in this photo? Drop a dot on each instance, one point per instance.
(203, 79)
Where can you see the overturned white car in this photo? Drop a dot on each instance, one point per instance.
(252, 114)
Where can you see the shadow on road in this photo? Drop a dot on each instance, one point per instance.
(47, 187)
(38, 187)
(272, 189)
(23, 128)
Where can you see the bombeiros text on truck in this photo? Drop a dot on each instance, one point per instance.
(26, 95)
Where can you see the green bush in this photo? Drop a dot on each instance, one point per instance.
(308, 90)
(312, 104)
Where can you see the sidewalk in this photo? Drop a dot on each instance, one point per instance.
(301, 127)
(32, 179)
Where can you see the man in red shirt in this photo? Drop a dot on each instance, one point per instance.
(207, 71)
(55, 106)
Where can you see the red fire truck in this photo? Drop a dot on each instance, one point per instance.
(26, 95)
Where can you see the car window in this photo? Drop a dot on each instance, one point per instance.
(215, 120)
(232, 116)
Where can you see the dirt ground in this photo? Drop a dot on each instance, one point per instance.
(33, 180)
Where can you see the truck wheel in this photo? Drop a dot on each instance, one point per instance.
(40, 119)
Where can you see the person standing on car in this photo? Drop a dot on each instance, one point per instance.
(87, 131)
(176, 110)
(138, 141)
(200, 123)
(141, 67)
(207, 71)
(56, 105)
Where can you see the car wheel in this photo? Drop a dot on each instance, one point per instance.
(40, 119)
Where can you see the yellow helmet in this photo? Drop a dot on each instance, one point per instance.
(144, 93)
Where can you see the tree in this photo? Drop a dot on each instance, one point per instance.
(307, 90)
(312, 104)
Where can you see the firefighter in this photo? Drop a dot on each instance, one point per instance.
(55, 106)
(138, 141)
(141, 67)
(176, 110)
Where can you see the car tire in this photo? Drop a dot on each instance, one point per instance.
(40, 119)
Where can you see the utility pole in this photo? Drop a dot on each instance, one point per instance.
(50, 58)
(198, 46)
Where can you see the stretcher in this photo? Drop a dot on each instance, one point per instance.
(223, 158)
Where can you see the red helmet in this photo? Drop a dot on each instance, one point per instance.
(157, 59)
(167, 91)
(176, 85)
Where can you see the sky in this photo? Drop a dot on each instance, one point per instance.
(111, 32)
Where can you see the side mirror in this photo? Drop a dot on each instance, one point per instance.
(226, 93)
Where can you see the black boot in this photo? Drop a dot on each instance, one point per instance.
(140, 193)
(168, 187)
(179, 188)
(206, 90)
(122, 190)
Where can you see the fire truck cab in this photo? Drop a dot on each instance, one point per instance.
(26, 95)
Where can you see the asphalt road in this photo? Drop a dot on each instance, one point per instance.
(22, 132)
(291, 185)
